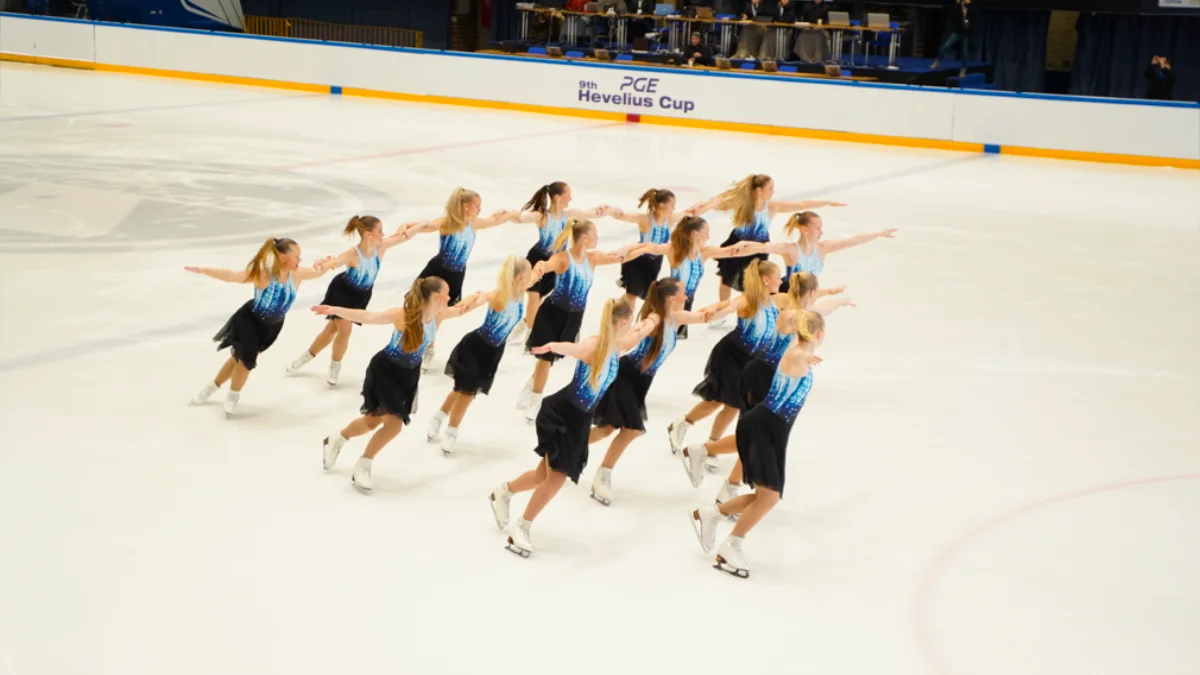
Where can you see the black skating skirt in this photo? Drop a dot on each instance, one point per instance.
(623, 406)
(723, 373)
(341, 293)
(248, 334)
(473, 364)
(730, 269)
(639, 273)
(544, 285)
(553, 323)
(389, 388)
(453, 279)
(762, 440)
(756, 383)
(562, 434)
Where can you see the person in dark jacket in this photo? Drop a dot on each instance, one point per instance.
(696, 53)
(962, 20)
(816, 11)
(784, 11)
(1162, 79)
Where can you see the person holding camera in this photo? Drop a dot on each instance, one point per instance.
(1162, 79)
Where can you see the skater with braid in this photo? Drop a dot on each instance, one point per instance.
(352, 288)
(390, 388)
(474, 361)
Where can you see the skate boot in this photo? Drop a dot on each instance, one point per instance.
(330, 448)
(434, 434)
(677, 432)
(704, 521)
(526, 395)
(728, 491)
(299, 362)
(602, 486)
(335, 369)
(518, 538)
(231, 403)
(449, 441)
(427, 359)
(730, 558)
(693, 462)
(204, 394)
(362, 476)
(500, 498)
(711, 465)
(535, 404)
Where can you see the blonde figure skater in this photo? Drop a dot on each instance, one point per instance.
(548, 210)
(474, 361)
(352, 288)
(753, 208)
(807, 253)
(565, 420)
(390, 388)
(762, 444)
(560, 317)
(275, 273)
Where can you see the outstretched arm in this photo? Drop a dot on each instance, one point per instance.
(738, 250)
(231, 276)
(640, 219)
(828, 306)
(684, 318)
(413, 229)
(557, 263)
(599, 211)
(636, 334)
(465, 305)
(722, 308)
(577, 350)
(387, 316)
(702, 208)
(623, 254)
(802, 205)
(402, 235)
(828, 247)
(497, 218)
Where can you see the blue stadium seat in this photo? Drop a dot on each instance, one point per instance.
(537, 50)
(624, 57)
(574, 55)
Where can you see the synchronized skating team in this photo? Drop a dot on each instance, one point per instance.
(760, 373)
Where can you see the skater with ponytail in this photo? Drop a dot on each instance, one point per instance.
(565, 419)
(352, 288)
(474, 361)
(390, 387)
(275, 273)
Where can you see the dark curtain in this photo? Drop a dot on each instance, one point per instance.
(1014, 42)
(1114, 50)
(432, 17)
(506, 20)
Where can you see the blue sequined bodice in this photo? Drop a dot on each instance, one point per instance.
(658, 234)
(572, 286)
(580, 389)
(758, 229)
(363, 276)
(395, 348)
(497, 325)
(807, 263)
(670, 335)
(454, 249)
(776, 346)
(273, 302)
(788, 394)
(549, 232)
(753, 333)
(689, 273)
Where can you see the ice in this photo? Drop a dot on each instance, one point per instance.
(996, 471)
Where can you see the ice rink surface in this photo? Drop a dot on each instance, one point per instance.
(997, 472)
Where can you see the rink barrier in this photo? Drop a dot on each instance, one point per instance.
(917, 117)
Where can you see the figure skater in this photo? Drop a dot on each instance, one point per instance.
(807, 254)
(276, 274)
(548, 210)
(352, 288)
(753, 210)
(560, 317)
(721, 387)
(390, 388)
(474, 361)
(565, 420)
(623, 406)
(456, 240)
(762, 442)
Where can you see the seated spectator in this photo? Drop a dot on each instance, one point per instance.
(812, 44)
(1162, 79)
(696, 53)
(783, 12)
(750, 40)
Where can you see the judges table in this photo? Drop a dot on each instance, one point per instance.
(619, 29)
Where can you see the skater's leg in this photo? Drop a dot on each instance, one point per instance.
(764, 501)
(598, 434)
(737, 505)
(361, 426)
(530, 479)
(541, 373)
(460, 409)
(543, 494)
(617, 448)
(701, 410)
(724, 418)
(341, 340)
(225, 372)
(390, 429)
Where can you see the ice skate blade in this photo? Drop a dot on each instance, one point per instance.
(605, 502)
(519, 551)
(363, 490)
(332, 460)
(671, 439)
(495, 513)
(699, 533)
(730, 569)
(687, 468)
(447, 453)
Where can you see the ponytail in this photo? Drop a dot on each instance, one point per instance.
(656, 303)
(800, 285)
(540, 201)
(574, 230)
(798, 222)
(754, 290)
(360, 225)
(740, 198)
(414, 308)
(258, 268)
(456, 221)
(808, 324)
(682, 239)
(614, 311)
(506, 280)
(655, 198)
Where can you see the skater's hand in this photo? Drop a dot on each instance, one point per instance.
(616, 213)
(888, 232)
(323, 310)
(811, 359)
(835, 290)
(544, 349)
(194, 270)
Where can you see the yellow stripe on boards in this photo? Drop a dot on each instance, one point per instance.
(1107, 158)
(46, 61)
(222, 79)
(479, 103)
